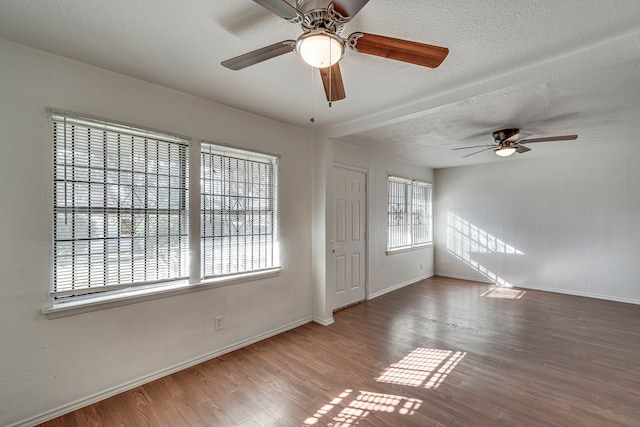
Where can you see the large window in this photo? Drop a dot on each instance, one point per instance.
(409, 213)
(121, 218)
(120, 198)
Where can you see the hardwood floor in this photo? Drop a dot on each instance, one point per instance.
(442, 352)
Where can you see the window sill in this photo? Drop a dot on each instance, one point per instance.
(116, 299)
(408, 248)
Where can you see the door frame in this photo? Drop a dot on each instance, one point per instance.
(332, 221)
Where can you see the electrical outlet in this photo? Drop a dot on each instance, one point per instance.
(219, 322)
(421, 266)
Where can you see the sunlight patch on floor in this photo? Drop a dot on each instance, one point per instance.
(360, 406)
(503, 293)
(423, 367)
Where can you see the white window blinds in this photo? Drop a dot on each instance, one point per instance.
(409, 213)
(120, 206)
(399, 228)
(421, 213)
(238, 211)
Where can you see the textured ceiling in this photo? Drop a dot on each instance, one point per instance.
(601, 105)
(550, 67)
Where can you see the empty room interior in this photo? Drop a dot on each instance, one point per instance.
(317, 212)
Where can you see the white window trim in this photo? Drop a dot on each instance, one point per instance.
(135, 294)
(412, 246)
(95, 302)
(408, 248)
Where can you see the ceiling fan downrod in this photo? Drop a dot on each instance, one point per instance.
(504, 134)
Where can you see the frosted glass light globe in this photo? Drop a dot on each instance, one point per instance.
(319, 48)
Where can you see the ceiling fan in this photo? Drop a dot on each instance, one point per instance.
(322, 45)
(509, 141)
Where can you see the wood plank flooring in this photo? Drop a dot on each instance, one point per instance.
(437, 353)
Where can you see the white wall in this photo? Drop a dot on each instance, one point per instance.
(49, 363)
(386, 272)
(322, 302)
(572, 224)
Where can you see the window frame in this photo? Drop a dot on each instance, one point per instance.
(267, 217)
(192, 280)
(401, 191)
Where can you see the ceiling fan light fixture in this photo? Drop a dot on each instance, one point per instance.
(505, 150)
(320, 48)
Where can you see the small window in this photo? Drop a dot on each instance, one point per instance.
(239, 211)
(409, 214)
(120, 197)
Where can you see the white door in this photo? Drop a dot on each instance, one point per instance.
(348, 240)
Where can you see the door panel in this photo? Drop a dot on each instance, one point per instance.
(355, 271)
(355, 220)
(341, 271)
(349, 245)
(341, 220)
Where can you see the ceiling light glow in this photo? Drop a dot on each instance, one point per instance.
(505, 151)
(319, 48)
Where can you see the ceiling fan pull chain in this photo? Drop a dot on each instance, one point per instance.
(313, 80)
(330, 75)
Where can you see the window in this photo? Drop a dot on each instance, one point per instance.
(121, 218)
(409, 213)
(238, 197)
(120, 198)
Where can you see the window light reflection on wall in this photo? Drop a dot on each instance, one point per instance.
(465, 239)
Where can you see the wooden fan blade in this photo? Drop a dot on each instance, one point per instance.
(517, 137)
(473, 146)
(349, 8)
(484, 149)
(332, 81)
(522, 149)
(259, 55)
(422, 54)
(280, 8)
(550, 138)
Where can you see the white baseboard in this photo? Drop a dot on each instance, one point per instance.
(462, 277)
(64, 409)
(323, 322)
(398, 286)
(548, 289)
(579, 293)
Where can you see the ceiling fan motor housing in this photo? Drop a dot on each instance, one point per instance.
(317, 14)
(504, 134)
